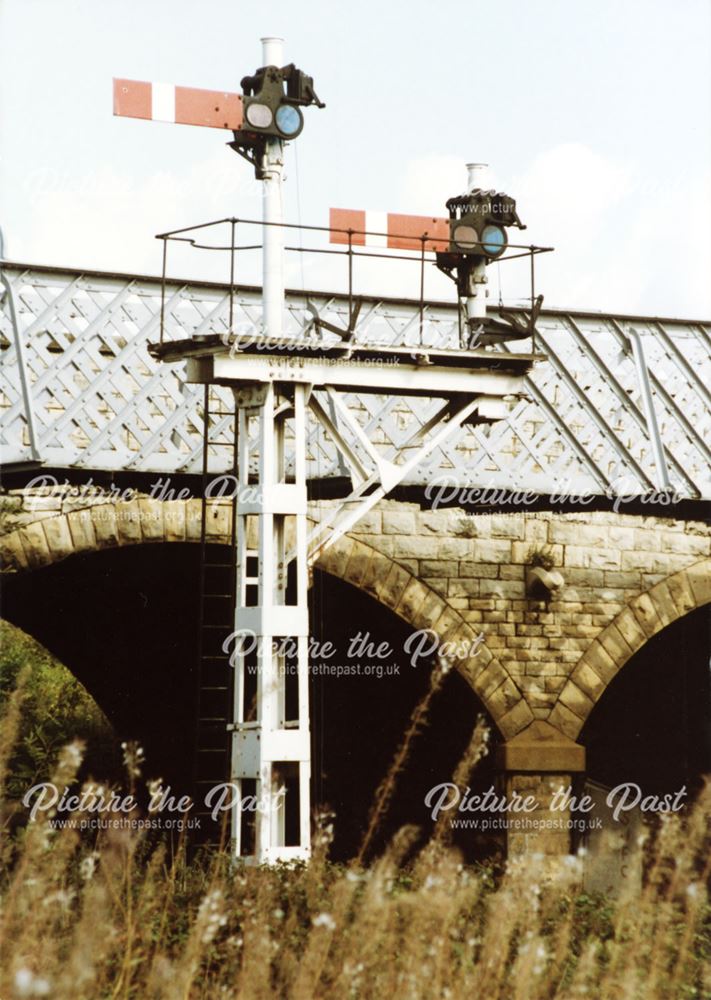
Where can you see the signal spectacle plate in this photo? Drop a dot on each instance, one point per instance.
(259, 115)
(494, 240)
(466, 237)
(289, 120)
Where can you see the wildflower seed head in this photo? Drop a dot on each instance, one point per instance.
(133, 758)
(70, 758)
(26, 984)
(63, 898)
(72, 754)
(87, 867)
(155, 787)
(325, 920)
(211, 916)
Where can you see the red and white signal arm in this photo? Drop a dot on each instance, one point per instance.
(388, 230)
(164, 102)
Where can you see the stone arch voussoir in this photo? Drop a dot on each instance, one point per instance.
(644, 616)
(145, 520)
(108, 525)
(398, 589)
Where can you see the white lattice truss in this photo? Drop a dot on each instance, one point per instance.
(619, 405)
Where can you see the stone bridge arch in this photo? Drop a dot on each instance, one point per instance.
(52, 537)
(647, 614)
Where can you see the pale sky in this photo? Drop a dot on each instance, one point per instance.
(594, 115)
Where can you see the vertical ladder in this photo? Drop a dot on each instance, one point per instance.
(271, 747)
(214, 677)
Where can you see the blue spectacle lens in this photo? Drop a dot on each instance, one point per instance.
(288, 119)
(493, 239)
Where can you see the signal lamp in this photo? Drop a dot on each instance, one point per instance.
(259, 115)
(289, 120)
(466, 237)
(494, 240)
(477, 222)
(272, 99)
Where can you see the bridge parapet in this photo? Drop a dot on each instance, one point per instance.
(96, 400)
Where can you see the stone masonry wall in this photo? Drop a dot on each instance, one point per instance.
(478, 563)
(624, 578)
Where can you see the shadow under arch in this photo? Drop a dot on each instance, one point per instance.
(362, 696)
(652, 724)
(56, 710)
(124, 620)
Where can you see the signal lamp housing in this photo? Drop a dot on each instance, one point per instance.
(477, 222)
(272, 99)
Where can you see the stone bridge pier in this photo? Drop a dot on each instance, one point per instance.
(539, 611)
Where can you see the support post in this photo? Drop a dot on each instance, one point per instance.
(476, 279)
(271, 743)
(540, 763)
(272, 214)
(271, 747)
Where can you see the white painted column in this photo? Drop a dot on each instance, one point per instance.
(272, 212)
(278, 742)
(476, 291)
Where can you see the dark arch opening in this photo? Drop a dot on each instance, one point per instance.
(359, 721)
(652, 725)
(124, 621)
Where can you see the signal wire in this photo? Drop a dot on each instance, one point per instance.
(298, 215)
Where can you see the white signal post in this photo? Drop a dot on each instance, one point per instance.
(476, 297)
(271, 742)
(272, 212)
(273, 749)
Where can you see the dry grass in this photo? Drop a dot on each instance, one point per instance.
(119, 917)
